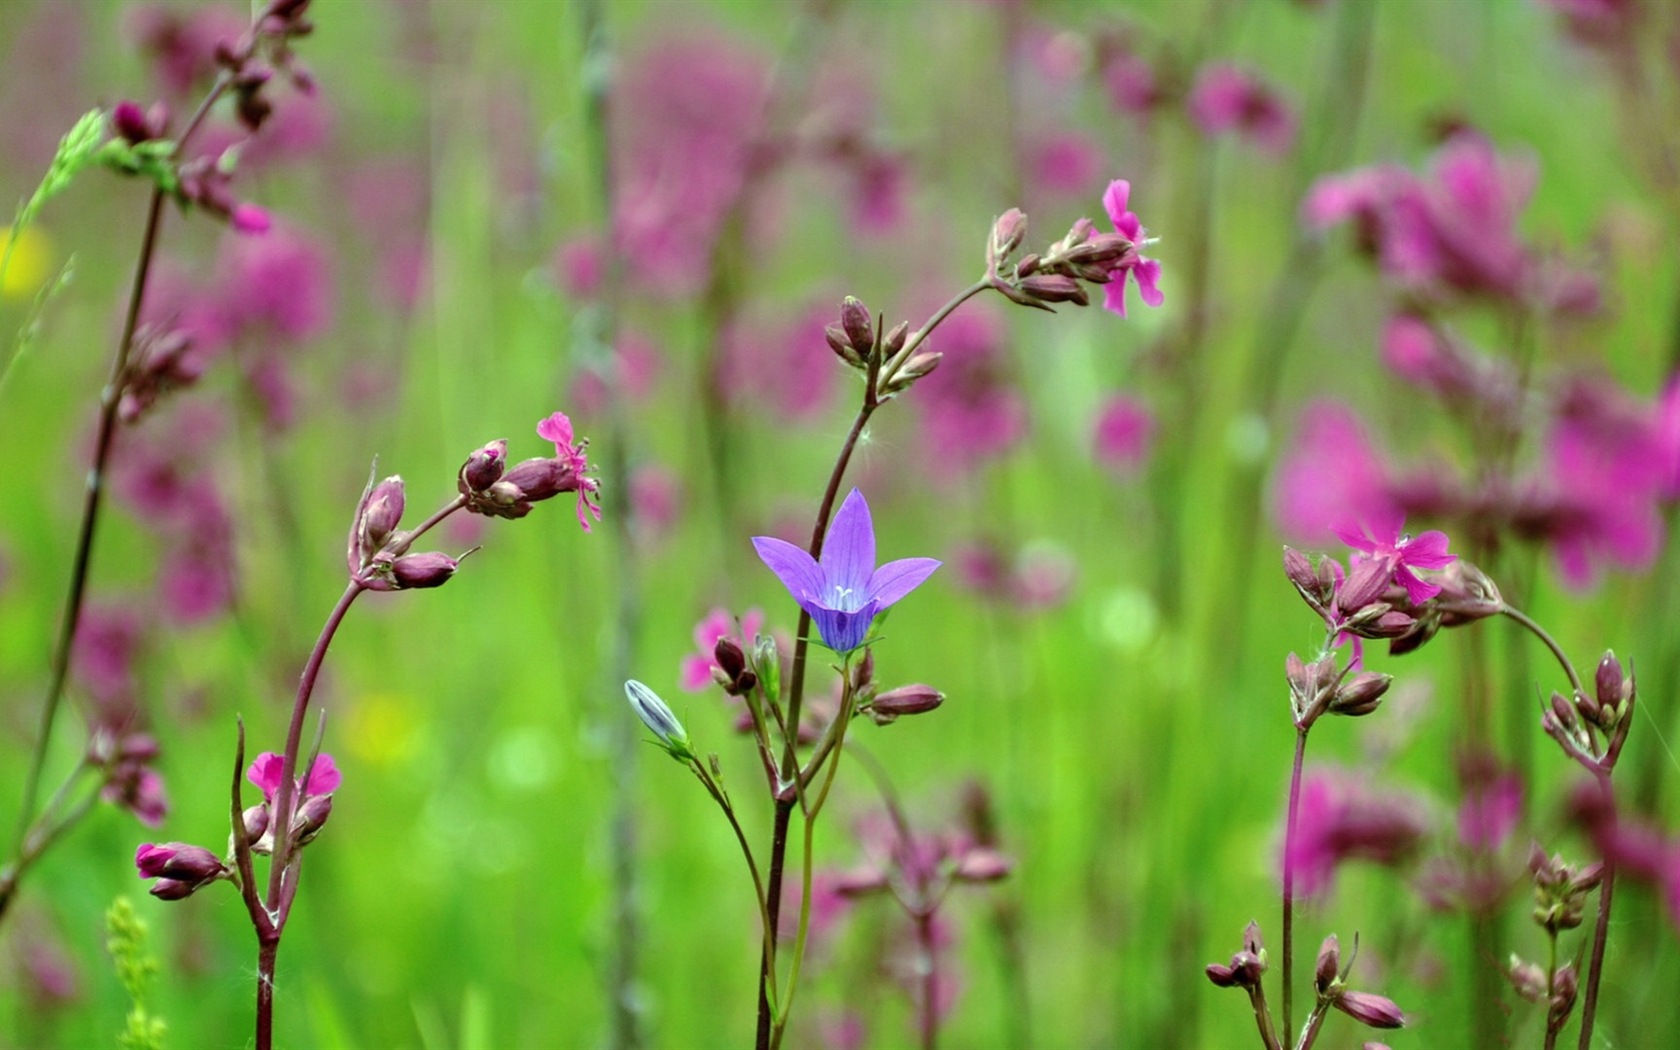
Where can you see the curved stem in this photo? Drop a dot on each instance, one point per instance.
(1289, 879)
(1550, 643)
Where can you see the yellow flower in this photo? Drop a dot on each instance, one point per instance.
(30, 261)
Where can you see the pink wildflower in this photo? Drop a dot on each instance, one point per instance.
(1125, 430)
(558, 429)
(1392, 556)
(1340, 818)
(1226, 98)
(1331, 474)
(1147, 272)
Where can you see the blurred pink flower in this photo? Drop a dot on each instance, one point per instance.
(1490, 812)
(578, 266)
(1329, 475)
(277, 285)
(969, 410)
(1341, 818)
(636, 365)
(1039, 575)
(656, 497)
(784, 366)
(879, 188)
(1065, 162)
(1130, 79)
(1125, 433)
(181, 42)
(1226, 98)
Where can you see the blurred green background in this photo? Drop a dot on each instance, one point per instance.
(1133, 731)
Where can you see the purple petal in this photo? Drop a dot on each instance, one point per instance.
(844, 631)
(264, 772)
(1353, 536)
(895, 579)
(796, 569)
(848, 555)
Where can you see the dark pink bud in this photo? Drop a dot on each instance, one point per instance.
(1054, 288)
(249, 218)
(1329, 964)
(540, 479)
(842, 346)
(894, 341)
(1305, 578)
(855, 320)
(905, 700)
(1364, 585)
(256, 822)
(1370, 1009)
(1007, 233)
(1361, 694)
(132, 123)
(311, 818)
(384, 511)
(174, 889)
(1252, 942)
(177, 860)
(1608, 682)
(483, 468)
(429, 569)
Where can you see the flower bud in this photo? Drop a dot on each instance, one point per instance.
(1008, 230)
(1054, 288)
(905, 700)
(729, 657)
(837, 341)
(1527, 979)
(483, 468)
(174, 889)
(540, 479)
(855, 320)
(1329, 964)
(255, 819)
(380, 512)
(894, 340)
(1361, 694)
(311, 818)
(1608, 682)
(429, 569)
(767, 661)
(1306, 579)
(177, 860)
(138, 125)
(657, 716)
(1370, 1009)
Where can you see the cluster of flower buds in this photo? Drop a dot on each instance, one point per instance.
(180, 869)
(311, 805)
(137, 125)
(1560, 890)
(1246, 966)
(491, 487)
(885, 707)
(377, 552)
(858, 340)
(1367, 602)
(1329, 980)
(1591, 729)
(1319, 688)
(126, 759)
(160, 363)
(1529, 981)
(1084, 254)
(270, 38)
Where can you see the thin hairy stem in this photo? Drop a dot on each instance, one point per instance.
(1290, 830)
(1551, 643)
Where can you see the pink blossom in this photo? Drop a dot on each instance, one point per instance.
(1131, 82)
(1146, 271)
(1065, 162)
(1330, 474)
(635, 366)
(969, 409)
(1341, 818)
(879, 189)
(1397, 554)
(1490, 812)
(578, 268)
(278, 285)
(264, 772)
(786, 366)
(573, 456)
(1226, 98)
(697, 667)
(1124, 433)
(656, 499)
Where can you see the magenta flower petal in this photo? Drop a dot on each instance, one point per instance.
(1114, 202)
(1148, 274)
(1428, 550)
(324, 776)
(264, 772)
(895, 579)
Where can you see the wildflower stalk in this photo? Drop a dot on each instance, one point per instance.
(1601, 935)
(878, 374)
(110, 397)
(1290, 822)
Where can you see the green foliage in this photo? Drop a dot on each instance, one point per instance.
(125, 939)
